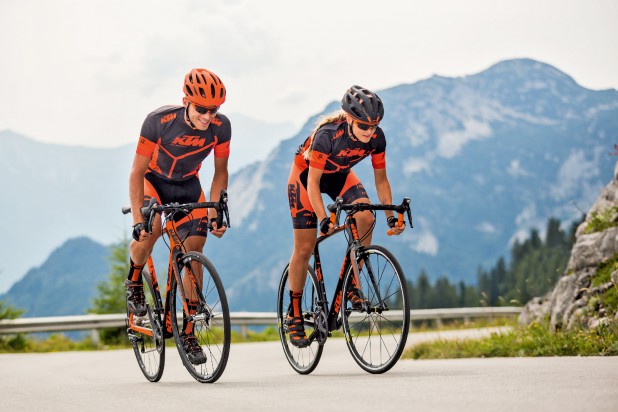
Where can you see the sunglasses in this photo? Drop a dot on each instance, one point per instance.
(366, 126)
(205, 110)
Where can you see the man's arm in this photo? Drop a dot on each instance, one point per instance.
(136, 186)
(219, 182)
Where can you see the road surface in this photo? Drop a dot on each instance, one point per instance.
(258, 378)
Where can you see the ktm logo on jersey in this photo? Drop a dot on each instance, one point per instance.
(168, 118)
(194, 141)
(352, 153)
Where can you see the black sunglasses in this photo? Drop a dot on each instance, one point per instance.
(204, 110)
(366, 126)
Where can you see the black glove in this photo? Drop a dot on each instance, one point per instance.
(324, 225)
(392, 221)
(137, 230)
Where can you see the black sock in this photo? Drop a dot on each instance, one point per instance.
(135, 272)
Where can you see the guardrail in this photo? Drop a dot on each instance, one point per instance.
(243, 320)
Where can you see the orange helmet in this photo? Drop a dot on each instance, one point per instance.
(204, 88)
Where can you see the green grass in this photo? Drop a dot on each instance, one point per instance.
(609, 299)
(533, 340)
(603, 220)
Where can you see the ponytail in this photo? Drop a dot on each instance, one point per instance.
(326, 119)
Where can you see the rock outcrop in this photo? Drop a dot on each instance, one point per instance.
(574, 299)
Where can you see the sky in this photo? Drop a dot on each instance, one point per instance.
(88, 72)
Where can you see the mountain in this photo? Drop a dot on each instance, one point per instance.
(55, 192)
(484, 158)
(65, 283)
(52, 193)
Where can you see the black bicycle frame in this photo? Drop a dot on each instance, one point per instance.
(354, 245)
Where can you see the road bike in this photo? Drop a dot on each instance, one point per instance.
(376, 332)
(194, 298)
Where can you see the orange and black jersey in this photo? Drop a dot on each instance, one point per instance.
(334, 151)
(176, 151)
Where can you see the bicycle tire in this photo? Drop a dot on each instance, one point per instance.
(376, 337)
(212, 327)
(149, 347)
(302, 360)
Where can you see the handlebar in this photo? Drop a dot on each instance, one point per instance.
(149, 212)
(401, 209)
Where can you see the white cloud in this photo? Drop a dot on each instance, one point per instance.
(450, 143)
(486, 227)
(425, 242)
(414, 165)
(575, 170)
(516, 170)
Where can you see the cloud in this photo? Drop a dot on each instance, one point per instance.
(516, 170)
(486, 227)
(450, 143)
(575, 170)
(426, 243)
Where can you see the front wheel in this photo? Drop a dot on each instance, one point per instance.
(146, 333)
(302, 360)
(200, 318)
(376, 310)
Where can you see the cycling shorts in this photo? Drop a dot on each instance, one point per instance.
(186, 191)
(345, 185)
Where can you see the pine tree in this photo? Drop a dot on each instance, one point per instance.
(111, 294)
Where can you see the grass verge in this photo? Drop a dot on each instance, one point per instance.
(534, 340)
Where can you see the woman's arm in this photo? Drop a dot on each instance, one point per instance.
(383, 187)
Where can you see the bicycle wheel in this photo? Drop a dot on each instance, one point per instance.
(146, 334)
(376, 334)
(302, 360)
(209, 322)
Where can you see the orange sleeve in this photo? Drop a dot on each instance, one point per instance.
(378, 160)
(145, 147)
(318, 159)
(222, 150)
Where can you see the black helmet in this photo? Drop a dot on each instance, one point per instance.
(363, 105)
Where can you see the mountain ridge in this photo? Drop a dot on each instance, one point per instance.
(482, 164)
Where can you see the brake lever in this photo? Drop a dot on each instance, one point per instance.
(407, 201)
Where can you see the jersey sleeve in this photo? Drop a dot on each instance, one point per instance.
(148, 137)
(224, 137)
(321, 149)
(378, 158)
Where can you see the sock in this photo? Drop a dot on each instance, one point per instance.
(295, 297)
(187, 326)
(135, 272)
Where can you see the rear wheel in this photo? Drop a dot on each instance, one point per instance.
(376, 333)
(302, 360)
(146, 334)
(208, 319)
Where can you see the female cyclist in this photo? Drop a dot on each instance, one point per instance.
(323, 164)
(173, 142)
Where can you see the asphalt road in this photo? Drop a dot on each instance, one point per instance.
(258, 378)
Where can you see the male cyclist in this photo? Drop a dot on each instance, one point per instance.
(323, 164)
(173, 142)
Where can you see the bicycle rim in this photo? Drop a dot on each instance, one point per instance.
(376, 334)
(302, 360)
(149, 346)
(211, 322)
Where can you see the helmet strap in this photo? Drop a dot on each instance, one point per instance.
(351, 134)
(187, 119)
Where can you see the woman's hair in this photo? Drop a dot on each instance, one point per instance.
(326, 119)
